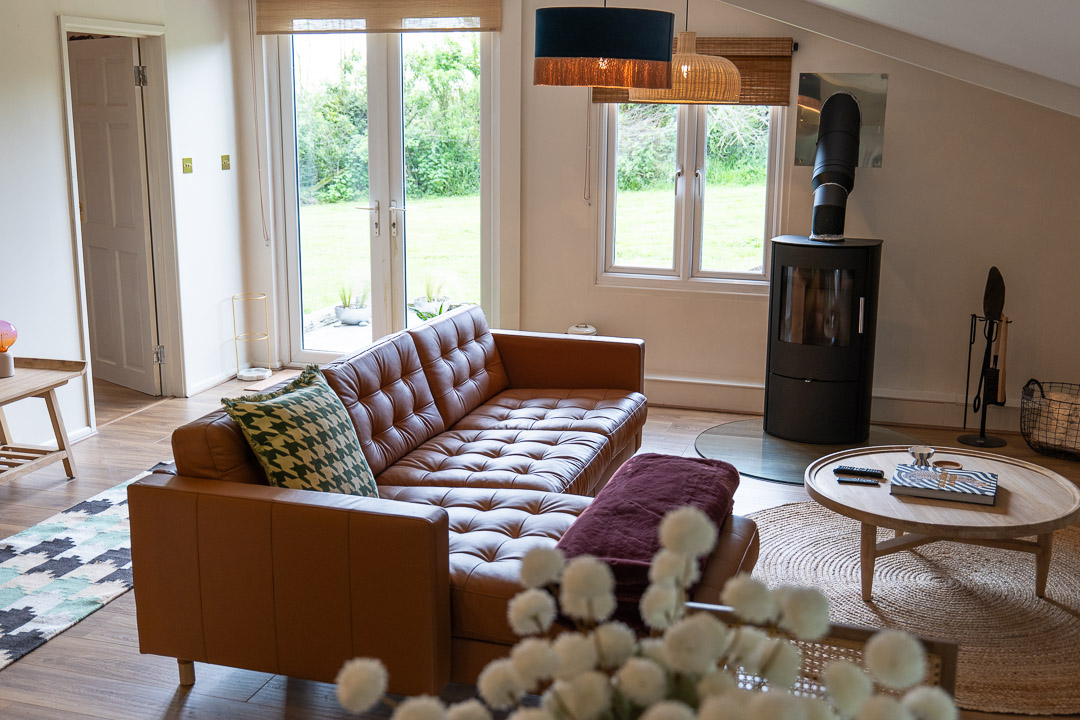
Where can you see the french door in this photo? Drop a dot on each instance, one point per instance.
(386, 220)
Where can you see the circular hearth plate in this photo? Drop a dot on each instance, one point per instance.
(754, 453)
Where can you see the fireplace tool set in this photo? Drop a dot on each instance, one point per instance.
(991, 389)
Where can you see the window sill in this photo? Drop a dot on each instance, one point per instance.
(751, 285)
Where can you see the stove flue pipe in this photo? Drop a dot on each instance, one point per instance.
(834, 165)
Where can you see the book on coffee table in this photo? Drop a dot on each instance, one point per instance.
(969, 486)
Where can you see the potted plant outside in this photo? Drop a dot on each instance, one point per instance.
(352, 310)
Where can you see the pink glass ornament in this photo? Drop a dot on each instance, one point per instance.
(8, 335)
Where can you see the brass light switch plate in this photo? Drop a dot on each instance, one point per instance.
(224, 162)
(186, 163)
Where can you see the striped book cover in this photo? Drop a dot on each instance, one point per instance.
(968, 486)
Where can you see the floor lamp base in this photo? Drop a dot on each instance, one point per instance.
(983, 441)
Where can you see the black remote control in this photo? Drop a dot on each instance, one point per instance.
(854, 480)
(859, 471)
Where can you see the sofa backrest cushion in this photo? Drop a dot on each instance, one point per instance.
(213, 447)
(460, 360)
(388, 398)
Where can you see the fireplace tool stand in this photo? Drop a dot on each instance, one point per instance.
(991, 389)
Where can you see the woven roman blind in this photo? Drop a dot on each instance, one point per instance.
(764, 64)
(287, 17)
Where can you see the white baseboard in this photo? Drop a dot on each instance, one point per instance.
(207, 383)
(891, 406)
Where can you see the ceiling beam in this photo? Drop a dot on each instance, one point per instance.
(918, 51)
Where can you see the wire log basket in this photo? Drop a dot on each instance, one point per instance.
(1050, 418)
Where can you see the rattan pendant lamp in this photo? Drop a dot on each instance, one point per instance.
(695, 79)
(603, 47)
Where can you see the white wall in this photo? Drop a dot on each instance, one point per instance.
(38, 292)
(971, 178)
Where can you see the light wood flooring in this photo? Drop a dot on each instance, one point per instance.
(94, 670)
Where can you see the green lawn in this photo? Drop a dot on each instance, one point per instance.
(443, 247)
(733, 228)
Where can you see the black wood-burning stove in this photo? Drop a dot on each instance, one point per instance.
(822, 318)
(823, 304)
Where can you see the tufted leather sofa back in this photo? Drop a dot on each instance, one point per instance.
(387, 395)
(461, 361)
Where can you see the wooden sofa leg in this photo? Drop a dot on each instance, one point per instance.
(187, 672)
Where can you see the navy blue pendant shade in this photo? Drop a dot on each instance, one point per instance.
(603, 47)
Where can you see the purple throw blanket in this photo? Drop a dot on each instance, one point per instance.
(621, 525)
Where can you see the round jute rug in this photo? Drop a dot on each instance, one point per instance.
(1017, 653)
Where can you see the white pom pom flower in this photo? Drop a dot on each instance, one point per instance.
(653, 649)
(817, 709)
(531, 612)
(781, 667)
(498, 685)
(669, 567)
(750, 599)
(586, 696)
(361, 683)
(930, 703)
(577, 654)
(729, 706)
(745, 650)
(615, 642)
(471, 709)
(693, 644)
(716, 682)
(422, 707)
(587, 589)
(775, 706)
(688, 531)
(660, 606)
(804, 612)
(534, 661)
(668, 710)
(530, 714)
(883, 707)
(895, 659)
(643, 681)
(847, 686)
(541, 566)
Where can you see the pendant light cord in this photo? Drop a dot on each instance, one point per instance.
(686, 18)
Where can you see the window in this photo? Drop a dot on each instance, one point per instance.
(688, 193)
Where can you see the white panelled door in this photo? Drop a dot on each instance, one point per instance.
(115, 216)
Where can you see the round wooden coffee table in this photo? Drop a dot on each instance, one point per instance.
(1031, 501)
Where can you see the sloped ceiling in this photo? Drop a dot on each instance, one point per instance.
(1024, 48)
(1042, 37)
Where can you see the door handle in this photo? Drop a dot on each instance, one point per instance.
(393, 219)
(375, 209)
(862, 312)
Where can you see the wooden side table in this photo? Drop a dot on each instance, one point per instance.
(36, 378)
(1031, 501)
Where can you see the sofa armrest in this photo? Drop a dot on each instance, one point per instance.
(291, 582)
(552, 360)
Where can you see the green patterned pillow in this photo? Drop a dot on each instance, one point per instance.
(304, 438)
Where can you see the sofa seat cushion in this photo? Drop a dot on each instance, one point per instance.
(618, 414)
(550, 460)
(490, 531)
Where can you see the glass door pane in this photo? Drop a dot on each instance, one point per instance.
(330, 90)
(645, 165)
(441, 106)
(734, 195)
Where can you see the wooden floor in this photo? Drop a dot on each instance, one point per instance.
(94, 670)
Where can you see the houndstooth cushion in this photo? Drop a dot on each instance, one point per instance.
(303, 437)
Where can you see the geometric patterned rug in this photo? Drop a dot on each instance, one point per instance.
(57, 572)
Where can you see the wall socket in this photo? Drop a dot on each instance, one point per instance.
(224, 162)
(186, 165)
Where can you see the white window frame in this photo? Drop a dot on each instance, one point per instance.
(384, 58)
(686, 274)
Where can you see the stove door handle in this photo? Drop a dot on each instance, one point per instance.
(862, 309)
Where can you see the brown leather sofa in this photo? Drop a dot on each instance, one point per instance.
(477, 460)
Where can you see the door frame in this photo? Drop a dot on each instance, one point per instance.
(498, 248)
(166, 275)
